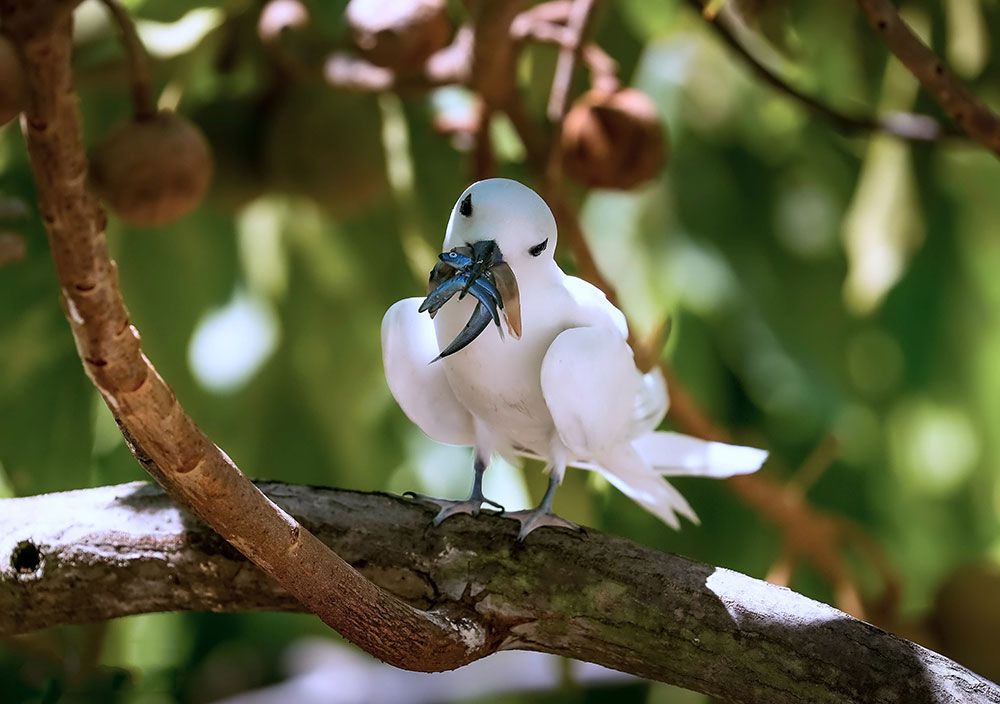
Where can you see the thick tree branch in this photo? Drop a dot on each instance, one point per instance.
(593, 597)
(161, 435)
(970, 113)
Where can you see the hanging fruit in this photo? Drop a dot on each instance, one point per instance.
(152, 171)
(613, 139)
(966, 617)
(399, 34)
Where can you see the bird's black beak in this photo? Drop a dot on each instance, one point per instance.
(478, 269)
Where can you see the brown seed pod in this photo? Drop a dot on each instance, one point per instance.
(399, 34)
(152, 172)
(613, 140)
(966, 617)
(12, 90)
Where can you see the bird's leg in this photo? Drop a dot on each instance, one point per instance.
(471, 505)
(542, 514)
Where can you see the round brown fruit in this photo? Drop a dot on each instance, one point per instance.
(152, 171)
(613, 140)
(966, 617)
(12, 90)
(327, 145)
(399, 34)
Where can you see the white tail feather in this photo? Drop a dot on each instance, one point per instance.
(676, 455)
(637, 469)
(628, 472)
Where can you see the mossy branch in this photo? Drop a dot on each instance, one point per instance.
(593, 597)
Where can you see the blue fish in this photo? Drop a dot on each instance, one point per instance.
(443, 293)
(483, 289)
(455, 259)
(479, 321)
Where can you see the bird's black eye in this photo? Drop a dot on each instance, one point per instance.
(465, 207)
(539, 248)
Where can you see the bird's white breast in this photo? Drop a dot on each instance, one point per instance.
(499, 379)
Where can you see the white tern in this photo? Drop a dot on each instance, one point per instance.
(561, 384)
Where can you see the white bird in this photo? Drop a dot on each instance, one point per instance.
(561, 386)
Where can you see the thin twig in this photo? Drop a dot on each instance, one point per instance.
(603, 69)
(781, 570)
(484, 161)
(816, 464)
(910, 126)
(577, 24)
(970, 113)
(140, 76)
(649, 349)
(887, 607)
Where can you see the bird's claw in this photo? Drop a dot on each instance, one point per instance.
(530, 520)
(472, 506)
(452, 508)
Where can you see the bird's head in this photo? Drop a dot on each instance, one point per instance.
(508, 213)
(499, 231)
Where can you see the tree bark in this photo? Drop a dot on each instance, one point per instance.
(969, 112)
(100, 553)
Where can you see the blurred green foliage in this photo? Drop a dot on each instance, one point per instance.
(819, 285)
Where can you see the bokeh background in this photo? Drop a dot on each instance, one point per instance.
(826, 291)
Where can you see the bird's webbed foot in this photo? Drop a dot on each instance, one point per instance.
(472, 506)
(537, 518)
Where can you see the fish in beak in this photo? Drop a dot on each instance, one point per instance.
(478, 270)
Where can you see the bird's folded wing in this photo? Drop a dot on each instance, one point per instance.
(421, 389)
(590, 383)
